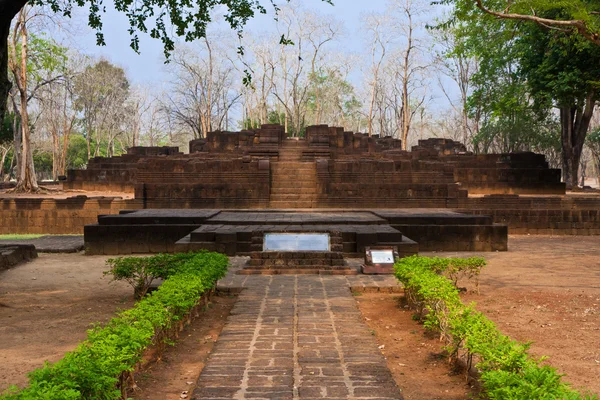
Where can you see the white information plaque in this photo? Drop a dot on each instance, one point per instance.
(382, 256)
(296, 242)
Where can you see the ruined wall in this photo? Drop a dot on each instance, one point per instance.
(57, 216)
(385, 183)
(114, 174)
(550, 215)
(195, 182)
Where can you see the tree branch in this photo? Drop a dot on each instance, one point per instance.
(579, 25)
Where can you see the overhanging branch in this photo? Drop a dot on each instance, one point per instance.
(579, 26)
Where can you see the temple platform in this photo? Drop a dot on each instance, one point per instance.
(241, 232)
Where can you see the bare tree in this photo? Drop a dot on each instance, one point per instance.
(381, 31)
(202, 93)
(410, 74)
(17, 63)
(453, 63)
(57, 117)
(302, 63)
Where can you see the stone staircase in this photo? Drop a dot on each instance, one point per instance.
(297, 263)
(293, 181)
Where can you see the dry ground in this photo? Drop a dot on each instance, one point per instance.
(47, 305)
(545, 289)
(180, 366)
(57, 192)
(411, 355)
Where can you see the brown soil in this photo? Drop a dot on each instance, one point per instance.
(547, 290)
(179, 367)
(412, 356)
(544, 289)
(47, 305)
(56, 192)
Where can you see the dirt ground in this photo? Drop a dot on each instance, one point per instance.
(547, 290)
(56, 192)
(411, 355)
(544, 289)
(47, 305)
(180, 366)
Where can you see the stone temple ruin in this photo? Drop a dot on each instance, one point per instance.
(233, 188)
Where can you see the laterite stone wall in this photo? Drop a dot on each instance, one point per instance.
(57, 216)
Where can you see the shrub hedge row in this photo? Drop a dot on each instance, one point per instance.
(102, 366)
(506, 370)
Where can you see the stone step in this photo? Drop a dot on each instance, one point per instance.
(300, 263)
(316, 255)
(184, 245)
(293, 177)
(298, 185)
(291, 204)
(293, 172)
(293, 165)
(299, 271)
(293, 197)
(289, 190)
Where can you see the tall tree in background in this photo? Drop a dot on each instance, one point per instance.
(526, 71)
(201, 93)
(579, 17)
(563, 71)
(381, 32)
(409, 75)
(100, 94)
(57, 117)
(34, 62)
(455, 61)
(162, 20)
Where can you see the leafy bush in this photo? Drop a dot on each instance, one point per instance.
(140, 272)
(102, 366)
(507, 371)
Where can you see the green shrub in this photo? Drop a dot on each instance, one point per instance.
(140, 272)
(533, 382)
(507, 371)
(102, 365)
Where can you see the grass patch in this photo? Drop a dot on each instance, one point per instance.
(21, 236)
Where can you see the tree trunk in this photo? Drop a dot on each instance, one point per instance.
(55, 152)
(574, 122)
(18, 138)
(405, 82)
(4, 81)
(2, 160)
(8, 9)
(28, 179)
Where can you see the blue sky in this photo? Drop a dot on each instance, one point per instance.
(148, 67)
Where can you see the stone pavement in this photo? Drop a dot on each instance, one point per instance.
(52, 243)
(295, 337)
(235, 283)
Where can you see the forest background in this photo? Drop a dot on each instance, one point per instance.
(408, 69)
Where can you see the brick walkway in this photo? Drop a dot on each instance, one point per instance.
(296, 337)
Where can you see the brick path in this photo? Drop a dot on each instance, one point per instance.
(296, 337)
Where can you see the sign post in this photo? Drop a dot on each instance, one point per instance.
(380, 259)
